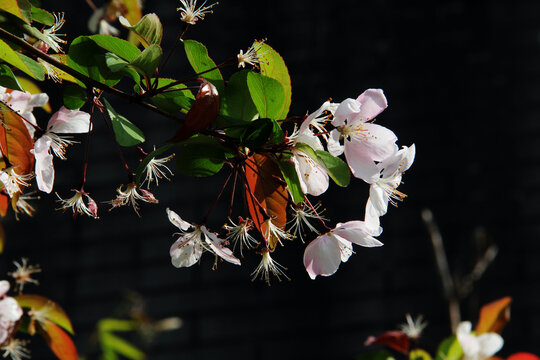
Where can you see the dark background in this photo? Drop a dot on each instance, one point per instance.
(461, 82)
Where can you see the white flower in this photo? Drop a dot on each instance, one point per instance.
(23, 274)
(10, 312)
(273, 233)
(312, 176)
(324, 254)
(238, 234)
(98, 24)
(64, 121)
(413, 328)
(189, 14)
(77, 205)
(250, 57)
(156, 169)
(52, 36)
(383, 187)
(130, 196)
(16, 350)
(364, 142)
(188, 248)
(13, 181)
(301, 215)
(268, 266)
(23, 103)
(477, 347)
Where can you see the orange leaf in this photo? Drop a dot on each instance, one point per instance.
(202, 114)
(494, 316)
(263, 179)
(15, 141)
(59, 342)
(47, 309)
(523, 356)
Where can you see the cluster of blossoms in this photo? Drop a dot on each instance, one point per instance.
(52, 142)
(371, 154)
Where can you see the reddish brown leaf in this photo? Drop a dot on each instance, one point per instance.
(263, 179)
(202, 114)
(15, 141)
(494, 316)
(58, 340)
(394, 339)
(523, 356)
(48, 309)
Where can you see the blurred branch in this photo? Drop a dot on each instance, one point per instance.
(444, 271)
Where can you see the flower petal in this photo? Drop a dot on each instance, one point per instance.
(376, 142)
(347, 110)
(186, 251)
(66, 121)
(490, 343)
(10, 310)
(322, 256)
(217, 245)
(334, 147)
(362, 166)
(313, 177)
(177, 221)
(44, 164)
(373, 103)
(4, 287)
(358, 233)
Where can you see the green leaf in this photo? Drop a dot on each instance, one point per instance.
(337, 168)
(173, 101)
(273, 66)
(200, 160)
(197, 55)
(32, 31)
(236, 100)
(277, 136)
(12, 7)
(290, 175)
(21, 61)
(86, 57)
(126, 133)
(120, 47)
(110, 324)
(7, 79)
(42, 16)
(449, 349)
(148, 30)
(120, 346)
(147, 159)
(257, 133)
(26, 10)
(148, 60)
(74, 96)
(116, 64)
(267, 95)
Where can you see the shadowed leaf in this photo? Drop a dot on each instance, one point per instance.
(394, 339)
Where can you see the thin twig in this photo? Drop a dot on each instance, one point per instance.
(444, 271)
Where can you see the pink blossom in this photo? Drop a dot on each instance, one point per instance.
(364, 142)
(324, 254)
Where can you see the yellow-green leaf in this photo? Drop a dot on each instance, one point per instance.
(12, 7)
(20, 61)
(419, 354)
(273, 66)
